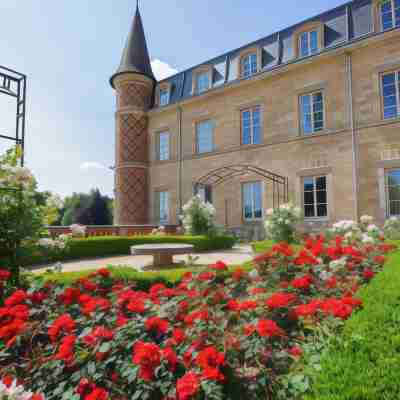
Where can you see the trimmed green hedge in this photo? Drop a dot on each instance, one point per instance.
(116, 246)
(364, 362)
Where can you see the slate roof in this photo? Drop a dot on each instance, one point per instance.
(135, 57)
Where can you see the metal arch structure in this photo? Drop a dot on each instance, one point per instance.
(216, 177)
(13, 84)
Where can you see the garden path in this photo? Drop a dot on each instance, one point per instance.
(236, 256)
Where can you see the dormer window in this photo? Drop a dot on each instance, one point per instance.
(202, 82)
(163, 97)
(308, 43)
(249, 64)
(390, 14)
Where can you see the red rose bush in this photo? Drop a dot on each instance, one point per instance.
(215, 335)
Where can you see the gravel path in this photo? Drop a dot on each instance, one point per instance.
(238, 255)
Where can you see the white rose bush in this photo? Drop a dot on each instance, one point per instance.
(11, 390)
(198, 217)
(281, 223)
(392, 228)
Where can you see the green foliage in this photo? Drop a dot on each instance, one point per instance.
(115, 246)
(392, 228)
(87, 209)
(364, 362)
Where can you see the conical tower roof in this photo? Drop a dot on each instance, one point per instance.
(135, 57)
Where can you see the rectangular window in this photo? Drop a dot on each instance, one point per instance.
(312, 113)
(249, 65)
(164, 97)
(163, 207)
(251, 126)
(204, 191)
(391, 95)
(393, 193)
(315, 197)
(390, 14)
(204, 137)
(252, 200)
(202, 82)
(308, 43)
(163, 146)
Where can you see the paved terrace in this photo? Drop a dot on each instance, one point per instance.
(238, 255)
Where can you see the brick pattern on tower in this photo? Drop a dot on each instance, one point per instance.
(135, 94)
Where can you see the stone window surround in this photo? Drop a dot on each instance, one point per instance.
(156, 204)
(246, 107)
(263, 192)
(310, 26)
(381, 71)
(299, 193)
(383, 167)
(157, 144)
(311, 89)
(250, 50)
(201, 70)
(203, 118)
(160, 87)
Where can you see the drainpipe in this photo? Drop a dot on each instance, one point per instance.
(353, 134)
(180, 160)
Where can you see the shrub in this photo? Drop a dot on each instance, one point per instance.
(392, 228)
(281, 223)
(198, 339)
(198, 217)
(114, 246)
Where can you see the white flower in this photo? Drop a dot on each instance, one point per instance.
(78, 230)
(337, 264)
(324, 275)
(270, 211)
(253, 274)
(366, 219)
(46, 242)
(367, 239)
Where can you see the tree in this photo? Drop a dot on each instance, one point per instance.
(87, 209)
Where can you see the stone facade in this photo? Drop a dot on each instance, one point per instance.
(354, 150)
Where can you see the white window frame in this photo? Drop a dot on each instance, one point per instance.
(316, 204)
(198, 124)
(311, 95)
(397, 89)
(388, 214)
(252, 218)
(393, 12)
(160, 155)
(309, 50)
(251, 110)
(199, 76)
(243, 62)
(160, 94)
(161, 210)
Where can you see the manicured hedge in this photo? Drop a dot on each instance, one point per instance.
(364, 362)
(116, 246)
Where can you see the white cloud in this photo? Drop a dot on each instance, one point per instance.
(162, 70)
(92, 165)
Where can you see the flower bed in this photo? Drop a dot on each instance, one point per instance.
(209, 337)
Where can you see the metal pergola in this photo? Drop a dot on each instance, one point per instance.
(280, 192)
(13, 84)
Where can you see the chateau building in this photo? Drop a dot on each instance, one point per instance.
(310, 114)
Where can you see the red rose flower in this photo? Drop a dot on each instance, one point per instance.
(148, 357)
(157, 325)
(66, 351)
(296, 351)
(268, 328)
(280, 300)
(178, 335)
(104, 273)
(187, 386)
(219, 266)
(170, 356)
(63, 324)
(368, 274)
(302, 283)
(210, 360)
(18, 297)
(4, 275)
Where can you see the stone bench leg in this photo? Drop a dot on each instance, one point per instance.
(163, 260)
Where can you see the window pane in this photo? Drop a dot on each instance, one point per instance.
(309, 211)
(257, 193)
(321, 196)
(308, 184)
(313, 42)
(163, 150)
(394, 193)
(307, 125)
(394, 208)
(320, 183)
(164, 206)
(387, 15)
(393, 178)
(247, 201)
(304, 44)
(164, 97)
(249, 65)
(308, 198)
(203, 82)
(388, 79)
(256, 135)
(322, 210)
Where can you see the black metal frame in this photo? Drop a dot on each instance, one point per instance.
(13, 84)
(221, 175)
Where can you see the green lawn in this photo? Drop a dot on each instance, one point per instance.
(364, 362)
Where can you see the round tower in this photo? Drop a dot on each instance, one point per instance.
(134, 85)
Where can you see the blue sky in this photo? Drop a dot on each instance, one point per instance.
(69, 49)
